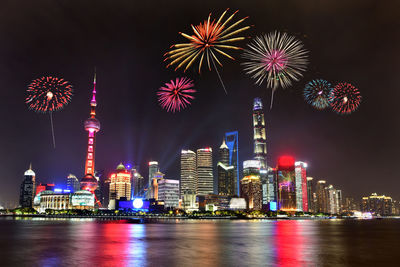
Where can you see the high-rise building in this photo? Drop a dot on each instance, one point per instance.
(381, 205)
(232, 141)
(223, 153)
(226, 181)
(138, 183)
(92, 126)
(73, 183)
(260, 140)
(301, 186)
(153, 168)
(157, 177)
(188, 172)
(120, 185)
(333, 202)
(321, 203)
(310, 197)
(269, 188)
(250, 185)
(286, 180)
(27, 189)
(204, 170)
(168, 191)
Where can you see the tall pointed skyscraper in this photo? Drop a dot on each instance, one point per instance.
(260, 141)
(92, 126)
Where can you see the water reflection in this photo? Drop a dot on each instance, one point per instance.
(197, 243)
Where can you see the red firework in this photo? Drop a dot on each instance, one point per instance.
(345, 98)
(48, 94)
(176, 94)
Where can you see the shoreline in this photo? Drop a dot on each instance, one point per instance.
(161, 217)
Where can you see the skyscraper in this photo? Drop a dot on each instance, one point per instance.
(381, 205)
(73, 183)
(153, 168)
(286, 184)
(260, 142)
(188, 172)
(301, 186)
(250, 185)
(92, 126)
(310, 197)
(321, 204)
(204, 170)
(138, 183)
(27, 189)
(120, 185)
(226, 181)
(232, 141)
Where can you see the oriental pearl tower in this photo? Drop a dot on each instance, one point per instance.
(92, 126)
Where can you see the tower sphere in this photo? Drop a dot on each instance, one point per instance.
(92, 124)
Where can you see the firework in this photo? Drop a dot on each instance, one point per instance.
(344, 98)
(210, 40)
(316, 93)
(48, 94)
(176, 94)
(277, 58)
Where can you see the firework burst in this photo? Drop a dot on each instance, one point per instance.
(316, 93)
(176, 95)
(48, 94)
(277, 58)
(210, 39)
(344, 98)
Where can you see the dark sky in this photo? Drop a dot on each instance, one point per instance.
(352, 41)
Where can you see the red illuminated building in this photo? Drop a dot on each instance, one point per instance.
(286, 181)
(92, 126)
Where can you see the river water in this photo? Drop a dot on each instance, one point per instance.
(89, 242)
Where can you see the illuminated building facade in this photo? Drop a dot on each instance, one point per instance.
(250, 185)
(138, 183)
(382, 205)
(153, 168)
(310, 196)
(120, 185)
(81, 199)
(301, 186)
(226, 179)
(226, 182)
(189, 201)
(269, 188)
(232, 141)
(188, 172)
(92, 126)
(168, 191)
(322, 202)
(286, 180)
(260, 140)
(157, 177)
(204, 170)
(27, 189)
(73, 183)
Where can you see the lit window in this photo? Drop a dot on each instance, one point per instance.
(89, 170)
(91, 134)
(90, 141)
(90, 148)
(89, 163)
(90, 156)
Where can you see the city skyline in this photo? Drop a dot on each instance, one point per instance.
(137, 130)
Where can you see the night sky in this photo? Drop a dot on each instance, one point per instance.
(352, 41)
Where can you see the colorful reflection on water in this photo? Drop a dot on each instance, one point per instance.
(198, 243)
